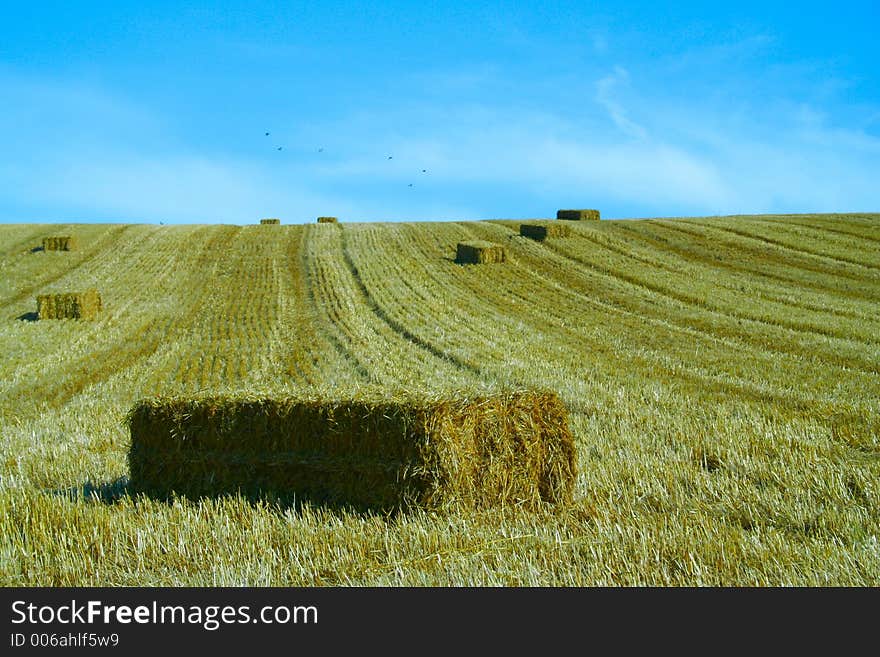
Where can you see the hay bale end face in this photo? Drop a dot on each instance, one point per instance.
(479, 252)
(541, 232)
(327, 220)
(60, 243)
(70, 305)
(578, 215)
(376, 453)
(271, 221)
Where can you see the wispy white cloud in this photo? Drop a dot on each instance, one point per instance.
(605, 95)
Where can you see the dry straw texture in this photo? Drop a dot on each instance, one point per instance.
(479, 252)
(543, 231)
(327, 220)
(71, 305)
(365, 451)
(270, 221)
(578, 214)
(60, 243)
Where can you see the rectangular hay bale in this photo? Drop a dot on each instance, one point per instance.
(443, 451)
(543, 231)
(270, 220)
(60, 243)
(327, 220)
(70, 305)
(578, 215)
(479, 252)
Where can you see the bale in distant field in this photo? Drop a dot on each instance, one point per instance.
(327, 220)
(578, 214)
(71, 305)
(270, 220)
(543, 231)
(479, 252)
(60, 243)
(369, 452)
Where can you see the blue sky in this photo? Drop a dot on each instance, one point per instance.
(157, 111)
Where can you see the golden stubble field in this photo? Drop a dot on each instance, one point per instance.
(722, 378)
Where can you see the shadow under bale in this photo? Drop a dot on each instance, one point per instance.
(368, 453)
(108, 492)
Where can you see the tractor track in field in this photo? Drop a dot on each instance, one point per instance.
(317, 280)
(835, 247)
(781, 244)
(695, 265)
(307, 356)
(735, 342)
(575, 340)
(836, 231)
(705, 306)
(699, 378)
(822, 298)
(396, 326)
(702, 234)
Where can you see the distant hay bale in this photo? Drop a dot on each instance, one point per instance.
(60, 243)
(479, 252)
(578, 215)
(543, 231)
(368, 452)
(327, 220)
(271, 220)
(71, 305)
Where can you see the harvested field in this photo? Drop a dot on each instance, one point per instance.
(451, 451)
(578, 215)
(479, 252)
(60, 243)
(720, 376)
(70, 305)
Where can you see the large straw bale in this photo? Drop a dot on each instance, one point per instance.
(578, 215)
(60, 243)
(270, 220)
(374, 452)
(479, 252)
(327, 220)
(543, 231)
(69, 305)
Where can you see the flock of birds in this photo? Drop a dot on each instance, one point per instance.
(321, 150)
